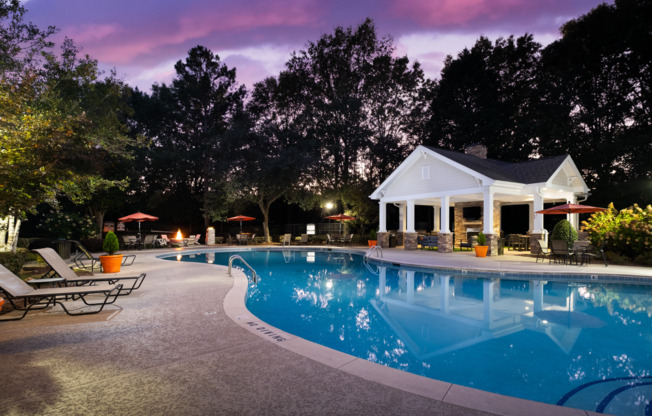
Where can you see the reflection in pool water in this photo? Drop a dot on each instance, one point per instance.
(580, 344)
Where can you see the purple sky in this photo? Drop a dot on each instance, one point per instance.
(143, 39)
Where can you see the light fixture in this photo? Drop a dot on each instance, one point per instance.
(329, 205)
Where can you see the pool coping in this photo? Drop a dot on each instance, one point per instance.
(234, 307)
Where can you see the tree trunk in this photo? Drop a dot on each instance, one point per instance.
(264, 208)
(9, 227)
(99, 220)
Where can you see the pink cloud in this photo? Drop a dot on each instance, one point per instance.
(454, 12)
(91, 33)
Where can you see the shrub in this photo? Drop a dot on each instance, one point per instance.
(111, 244)
(561, 231)
(15, 261)
(627, 232)
(69, 225)
(482, 239)
(373, 235)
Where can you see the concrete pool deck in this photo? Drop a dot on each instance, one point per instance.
(185, 344)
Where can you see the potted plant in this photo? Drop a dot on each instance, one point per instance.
(373, 238)
(482, 247)
(111, 262)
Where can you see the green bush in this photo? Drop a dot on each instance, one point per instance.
(561, 231)
(644, 259)
(373, 235)
(111, 244)
(482, 239)
(627, 232)
(69, 225)
(15, 261)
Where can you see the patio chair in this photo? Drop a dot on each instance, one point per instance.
(304, 239)
(543, 251)
(561, 253)
(329, 239)
(190, 241)
(587, 255)
(197, 237)
(468, 244)
(16, 290)
(347, 240)
(163, 241)
(149, 241)
(129, 241)
(85, 260)
(67, 276)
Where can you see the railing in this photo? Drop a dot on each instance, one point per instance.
(374, 249)
(254, 276)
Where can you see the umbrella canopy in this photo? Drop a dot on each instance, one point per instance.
(139, 217)
(240, 218)
(340, 218)
(570, 209)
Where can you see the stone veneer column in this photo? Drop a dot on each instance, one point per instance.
(445, 243)
(492, 242)
(383, 239)
(534, 242)
(410, 241)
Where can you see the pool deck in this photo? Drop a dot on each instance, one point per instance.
(185, 344)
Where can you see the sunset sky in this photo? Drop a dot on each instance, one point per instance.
(142, 39)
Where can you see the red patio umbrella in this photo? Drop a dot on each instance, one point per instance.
(240, 218)
(139, 217)
(570, 209)
(340, 218)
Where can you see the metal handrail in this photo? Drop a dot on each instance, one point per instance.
(377, 249)
(254, 276)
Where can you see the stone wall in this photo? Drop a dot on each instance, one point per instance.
(410, 241)
(383, 240)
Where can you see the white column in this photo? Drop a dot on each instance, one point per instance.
(538, 218)
(410, 286)
(444, 295)
(410, 216)
(382, 217)
(445, 210)
(573, 218)
(401, 218)
(530, 207)
(488, 212)
(437, 219)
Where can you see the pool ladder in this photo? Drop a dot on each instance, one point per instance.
(374, 249)
(254, 276)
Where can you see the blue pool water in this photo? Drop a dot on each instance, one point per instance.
(584, 345)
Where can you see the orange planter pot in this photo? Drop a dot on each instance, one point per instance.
(372, 242)
(481, 251)
(111, 264)
(2, 302)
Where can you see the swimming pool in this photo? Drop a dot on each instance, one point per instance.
(579, 344)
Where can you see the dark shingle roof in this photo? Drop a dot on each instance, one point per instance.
(531, 171)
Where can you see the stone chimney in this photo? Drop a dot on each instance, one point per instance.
(479, 150)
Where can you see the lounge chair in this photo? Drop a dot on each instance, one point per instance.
(85, 260)
(67, 276)
(543, 251)
(197, 238)
(287, 239)
(15, 290)
(163, 241)
(329, 239)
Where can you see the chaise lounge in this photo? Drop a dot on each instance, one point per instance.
(15, 290)
(68, 277)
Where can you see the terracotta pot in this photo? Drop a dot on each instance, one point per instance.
(111, 264)
(372, 243)
(481, 251)
(2, 302)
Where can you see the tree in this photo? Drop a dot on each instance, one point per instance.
(356, 101)
(184, 125)
(488, 95)
(270, 156)
(598, 102)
